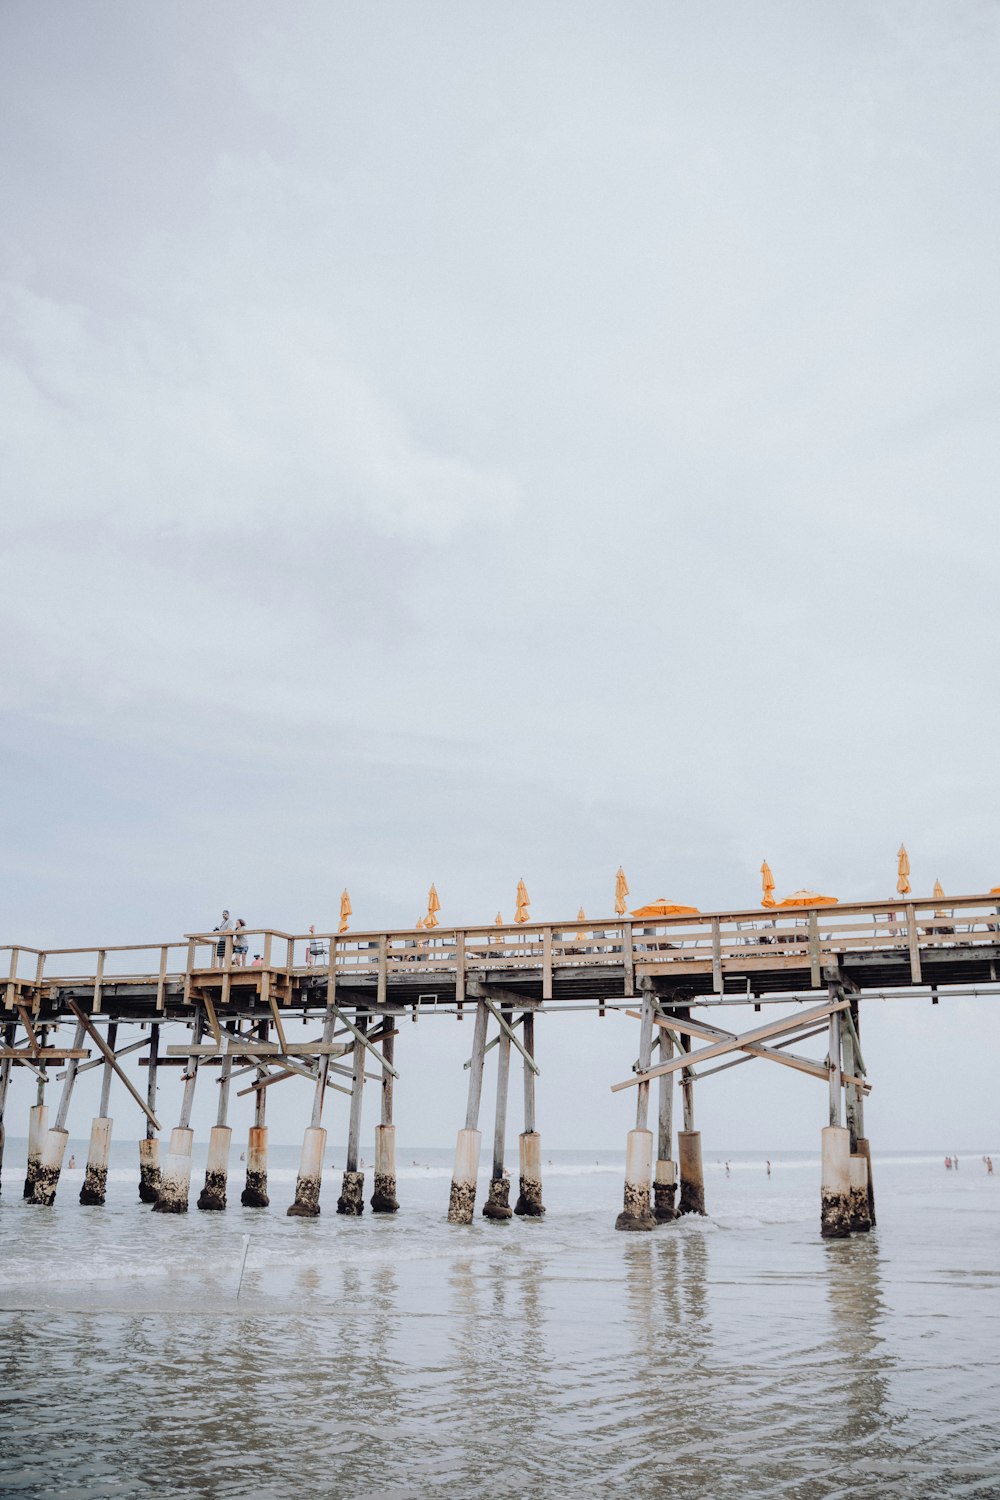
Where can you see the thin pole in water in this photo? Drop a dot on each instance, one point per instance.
(243, 1264)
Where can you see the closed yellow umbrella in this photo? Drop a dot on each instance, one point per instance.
(621, 892)
(580, 937)
(433, 907)
(498, 920)
(345, 911)
(807, 898)
(663, 908)
(938, 894)
(903, 871)
(523, 900)
(767, 881)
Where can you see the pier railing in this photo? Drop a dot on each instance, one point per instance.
(717, 943)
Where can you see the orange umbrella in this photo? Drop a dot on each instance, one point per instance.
(663, 908)
(938, 894)
(419, 923)
(523, 899)
(345, 911)
(580, 937)
(498, 920)
(621, 892)
(903, 871)
(433, 907)
(767, 880)
(807, 898)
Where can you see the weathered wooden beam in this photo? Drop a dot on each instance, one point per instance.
(209, 1051)
(49, 1054)
(737, 1044)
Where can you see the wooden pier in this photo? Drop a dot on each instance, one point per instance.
(818, 963)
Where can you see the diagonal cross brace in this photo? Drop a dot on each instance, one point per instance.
(509, 1032)
(109, 1057)
(708, 1033)
(360, 1035)
(736, 1044)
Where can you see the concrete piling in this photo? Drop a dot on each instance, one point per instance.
(37, 1131)
(529, 1204)
(384, 1197)
(309, 1180)
(462, 1201)
(665, 1173)
(835, 1197)
(497, 1206)
(692, 1172)
(49, 1167)
(636, 1213)
(860, 1217)
(175, 1178)
(95, 1180)
(213, 1194)
(665, 1192)
(149, 1149)
(149, 1169)
(351, 1202)
(254, 1194)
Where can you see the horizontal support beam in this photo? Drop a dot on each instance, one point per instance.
(208, 1051)
(46, 1054)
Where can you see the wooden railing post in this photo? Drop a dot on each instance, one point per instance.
(383, 967)
(718, 984)
(459, 967)
(98, 983)
(547, 964)
(161, 983)
(815, 975)
(913, 940)
(15, 954)
(628, 958)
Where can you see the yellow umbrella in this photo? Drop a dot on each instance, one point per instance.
(419, 923)
(433, 907)
(767, 881)
(523, 899)
(663, 908)
(580, 937)
(345, 911)
(807, 898)
(938, 894)
(498, 920)
(621, 892)
(903, 883)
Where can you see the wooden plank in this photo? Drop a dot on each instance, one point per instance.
(161, 983)
(718, 985)
(277, 1021)
(23, 1012)
(913, 941)
(46, 1054)
(383, 958)
(815, 974)
(759, 1034)
(213, 1019)
(109, 1056)
(547, 964)
(459, 967)
(628, 960)
(241, 1048)
(98, 978)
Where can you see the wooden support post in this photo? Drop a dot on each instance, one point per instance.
(863, 1214)
(352, 1193)
(310, 1177)
(213, 1195)
(383, 1199)
(497, 1205)
(462, 1200)
(692, 1173)
(54, 1145)
(835, 1068)
(636, 1212)
(529, 1201)
(255, 1194)
(95, 1178)
(665, 1174)
(149, 1148)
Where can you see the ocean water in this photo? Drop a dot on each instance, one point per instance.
(737, 1355)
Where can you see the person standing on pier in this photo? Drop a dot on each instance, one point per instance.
(224, 926)
(240, 945)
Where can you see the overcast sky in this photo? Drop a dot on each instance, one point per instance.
(459, 443)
